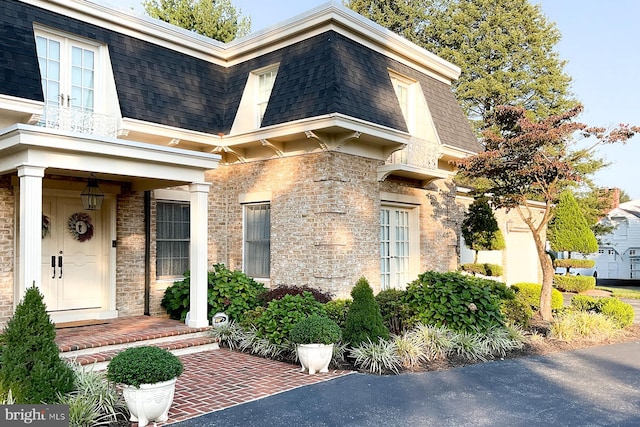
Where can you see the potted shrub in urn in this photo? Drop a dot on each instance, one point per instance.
(315, 336)
(148, 376)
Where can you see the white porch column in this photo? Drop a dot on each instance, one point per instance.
(198, 254)
(30, 233)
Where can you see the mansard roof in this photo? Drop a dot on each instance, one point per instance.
(320, 72)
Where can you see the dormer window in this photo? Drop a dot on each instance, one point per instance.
(68, 71)
(405, 92)
(264, 84)
(75, 75)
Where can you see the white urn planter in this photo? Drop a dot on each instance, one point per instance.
(150, 402)
(315, 357)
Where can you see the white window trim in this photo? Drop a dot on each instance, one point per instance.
(168, 196)
(246, 116)
(414, 231)
(257, 98)
(253, 199)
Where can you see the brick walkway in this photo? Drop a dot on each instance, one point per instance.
(219, 379)
(212, 380)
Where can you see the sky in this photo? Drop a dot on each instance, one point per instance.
(598, 42)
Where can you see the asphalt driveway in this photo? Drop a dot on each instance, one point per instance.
(599, 386)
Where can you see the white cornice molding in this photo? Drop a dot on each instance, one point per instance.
(20, 105)
(331, 15)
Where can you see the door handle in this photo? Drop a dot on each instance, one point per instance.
(60, 265)
(53, 265)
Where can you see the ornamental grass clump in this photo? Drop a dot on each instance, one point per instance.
(93, 402)
(410, 350)
(364, 321)
(582, 325)
(436, 341)
(376, 357)
(31, 366)
(144, 365)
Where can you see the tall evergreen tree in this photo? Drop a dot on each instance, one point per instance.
(480, 228)
(568, 231)
(505, 49)
(217, 19)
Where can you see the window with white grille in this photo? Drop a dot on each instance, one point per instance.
(172, 239)
(257, 240)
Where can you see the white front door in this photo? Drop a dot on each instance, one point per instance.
(74, 270)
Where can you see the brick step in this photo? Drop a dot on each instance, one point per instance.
(98, 358)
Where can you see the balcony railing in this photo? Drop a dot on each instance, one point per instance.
(419, 152)
(70, 119)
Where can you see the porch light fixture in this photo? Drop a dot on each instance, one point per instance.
(92, 196)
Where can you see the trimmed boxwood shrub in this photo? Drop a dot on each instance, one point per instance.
(459, 302)
(574, 283)
(231, 292)
(364, 321)
(281, 315)
(337, 310)
(619, 311)
(491, 270)
(530, 293)
(282, 290)
(573, 263)
(315, 330)
(144, 365)
(30, 365)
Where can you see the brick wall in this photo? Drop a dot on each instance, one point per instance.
(324, 218)
(130, 254)
(7, 253)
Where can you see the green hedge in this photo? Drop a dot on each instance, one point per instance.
(574, 263)
(619, 311)
(493, 270)
(574, 283)
(530, 293)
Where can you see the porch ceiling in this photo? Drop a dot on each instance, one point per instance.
(146, 166)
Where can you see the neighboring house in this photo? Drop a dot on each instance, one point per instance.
(618, 255)
(519, 259)
(312, 153)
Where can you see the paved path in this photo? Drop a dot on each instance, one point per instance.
(599, 386)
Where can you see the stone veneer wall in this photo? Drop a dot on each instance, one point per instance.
(130, 254)
(324, 218)
(7, 253)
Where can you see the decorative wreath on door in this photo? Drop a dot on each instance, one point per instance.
(80, 226)
(46, 225)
